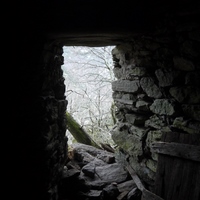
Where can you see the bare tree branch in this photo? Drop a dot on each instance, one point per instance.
(88, 76)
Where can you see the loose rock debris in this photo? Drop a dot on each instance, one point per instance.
(94, 174)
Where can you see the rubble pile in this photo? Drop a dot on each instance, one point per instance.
(94, 174)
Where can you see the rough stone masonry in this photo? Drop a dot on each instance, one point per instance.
(157, 90)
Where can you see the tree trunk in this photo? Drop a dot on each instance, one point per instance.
(78, 132)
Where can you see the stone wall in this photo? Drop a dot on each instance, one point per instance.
(53, 107)
(157, 90)
(37, 122)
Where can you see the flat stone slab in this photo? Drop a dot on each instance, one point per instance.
(106, 174)
(112, 173)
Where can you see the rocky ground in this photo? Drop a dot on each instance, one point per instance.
(94, 174)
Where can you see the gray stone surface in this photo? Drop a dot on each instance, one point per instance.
(189, 126)
(163, 107)
(166, 96)
(138, 132)
(138, 71)
(135, 119)
(156, 122)
(166, 78)
(131, 143)
(125, 86)
(142, 105)
(151, 89)
(111, 173)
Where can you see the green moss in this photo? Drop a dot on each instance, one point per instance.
(78, 132)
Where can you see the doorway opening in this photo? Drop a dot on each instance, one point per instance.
(88, 73)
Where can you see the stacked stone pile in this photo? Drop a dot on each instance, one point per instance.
(157, 90)
(94, 174)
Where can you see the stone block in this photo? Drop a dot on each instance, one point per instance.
(166, 78)
(163, 107)
(125, 86)
(156, 122)
(151, 89)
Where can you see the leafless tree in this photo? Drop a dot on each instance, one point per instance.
(88, 75)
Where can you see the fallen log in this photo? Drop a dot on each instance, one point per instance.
(78, 132)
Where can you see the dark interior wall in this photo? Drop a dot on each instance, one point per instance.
(38, 121)
(112, 20)
(34, 95)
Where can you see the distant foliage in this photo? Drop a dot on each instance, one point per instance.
(88, 73)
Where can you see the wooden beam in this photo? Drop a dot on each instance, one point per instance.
(122, 195)
(135, 177)
(146, 194)
(186, 151)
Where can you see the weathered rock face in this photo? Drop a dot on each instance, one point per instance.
(157, 90)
